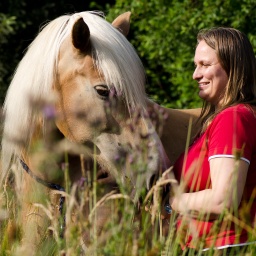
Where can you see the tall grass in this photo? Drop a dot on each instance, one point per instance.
(97, 222)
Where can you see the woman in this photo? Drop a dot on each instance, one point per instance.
(215, 201)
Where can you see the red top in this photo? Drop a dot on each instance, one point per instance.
(232, 133)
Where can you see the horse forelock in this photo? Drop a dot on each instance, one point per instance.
(34, 77)
(117, 60)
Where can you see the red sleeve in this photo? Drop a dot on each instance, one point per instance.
(232, 133)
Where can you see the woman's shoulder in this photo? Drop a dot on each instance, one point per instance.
(240, 110)
(241, 113)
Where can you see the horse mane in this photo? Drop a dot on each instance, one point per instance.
(34, 77)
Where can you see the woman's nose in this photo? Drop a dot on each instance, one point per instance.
(197, 74)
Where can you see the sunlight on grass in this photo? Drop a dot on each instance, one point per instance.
(97, 221)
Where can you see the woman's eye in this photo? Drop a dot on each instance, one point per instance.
(102, 90)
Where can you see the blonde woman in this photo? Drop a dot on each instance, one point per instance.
(216, 202)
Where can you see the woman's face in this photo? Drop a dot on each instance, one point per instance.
(211, 77)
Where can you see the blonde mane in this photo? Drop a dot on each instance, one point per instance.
(34, 78)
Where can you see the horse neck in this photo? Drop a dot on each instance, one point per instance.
(176, 128)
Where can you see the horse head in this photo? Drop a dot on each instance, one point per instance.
(97, 80)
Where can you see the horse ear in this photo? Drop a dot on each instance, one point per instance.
(81, 35)
(122, 23)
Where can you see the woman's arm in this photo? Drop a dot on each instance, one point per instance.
(228, 178)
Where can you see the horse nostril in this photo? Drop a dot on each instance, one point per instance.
(153, 180)
(102, 175)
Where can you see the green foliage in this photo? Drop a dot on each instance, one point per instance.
(6, 26)
(162, 31)
(164, 34)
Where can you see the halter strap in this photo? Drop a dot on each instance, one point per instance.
(53, 187)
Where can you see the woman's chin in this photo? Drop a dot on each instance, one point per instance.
(202, 95)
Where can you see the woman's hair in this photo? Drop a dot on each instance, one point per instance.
(235, 54)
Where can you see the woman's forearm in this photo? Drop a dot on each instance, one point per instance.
(203, 202)
(227, 184)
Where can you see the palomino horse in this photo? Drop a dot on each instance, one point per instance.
(82, 79)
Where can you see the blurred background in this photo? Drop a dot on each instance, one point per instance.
(162, 31)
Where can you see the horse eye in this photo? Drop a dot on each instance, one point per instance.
(102, 90)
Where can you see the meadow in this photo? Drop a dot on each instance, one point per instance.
(122, 226)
